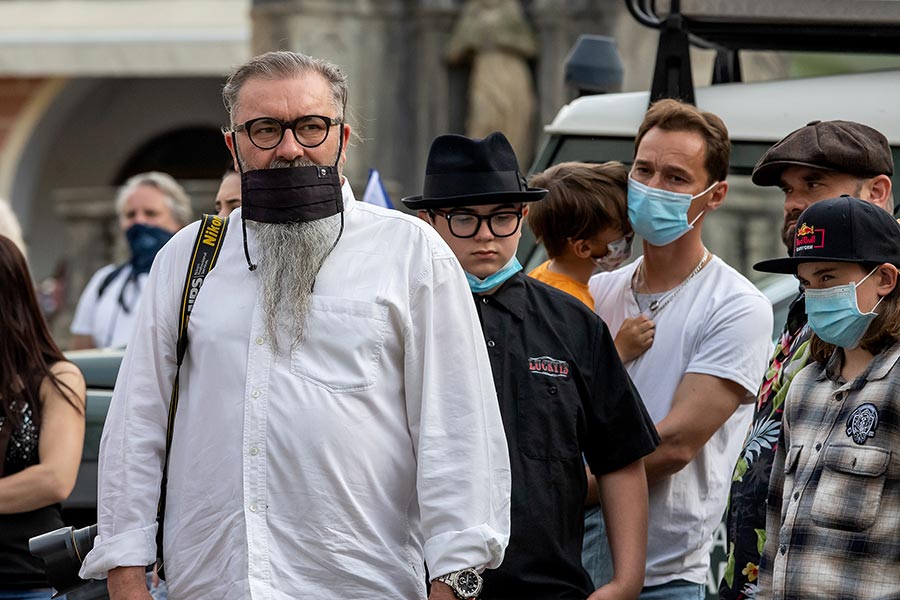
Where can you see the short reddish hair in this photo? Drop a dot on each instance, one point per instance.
(673, 115)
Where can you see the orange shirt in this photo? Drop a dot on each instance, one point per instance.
(564, 283)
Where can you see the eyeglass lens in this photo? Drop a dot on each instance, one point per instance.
(308, 131)
(502, 224)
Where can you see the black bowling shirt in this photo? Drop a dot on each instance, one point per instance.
(563, 391)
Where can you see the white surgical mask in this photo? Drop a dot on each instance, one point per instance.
(618, 251)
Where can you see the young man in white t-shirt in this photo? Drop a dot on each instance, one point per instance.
(711, 339)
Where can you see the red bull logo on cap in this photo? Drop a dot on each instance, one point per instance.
(809, 238)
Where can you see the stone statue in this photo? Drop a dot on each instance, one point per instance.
(498, 41)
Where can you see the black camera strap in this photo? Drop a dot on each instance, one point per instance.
(203, 259)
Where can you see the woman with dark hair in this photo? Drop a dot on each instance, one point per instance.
(42, 399)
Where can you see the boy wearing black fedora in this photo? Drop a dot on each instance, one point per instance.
(833, 507)
(563, 392)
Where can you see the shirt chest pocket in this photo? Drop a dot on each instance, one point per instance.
(849, 492)
(343, 346)
(547, 417)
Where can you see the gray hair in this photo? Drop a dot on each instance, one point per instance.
(285, 65)
(178, 200)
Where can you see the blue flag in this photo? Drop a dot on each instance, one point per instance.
(375, 193)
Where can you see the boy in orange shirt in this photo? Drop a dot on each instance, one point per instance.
(583, 224)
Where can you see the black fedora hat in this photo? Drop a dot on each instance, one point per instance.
(462, 171)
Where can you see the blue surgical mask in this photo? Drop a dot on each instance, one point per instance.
(618, 252)
(834, 314)
(145, 241)
(479, 286)
(660, 216)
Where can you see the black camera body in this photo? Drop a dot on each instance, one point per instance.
(63, 550)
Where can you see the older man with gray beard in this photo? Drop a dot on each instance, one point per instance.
(338, 430)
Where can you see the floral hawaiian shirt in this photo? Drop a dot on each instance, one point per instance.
(745, 516)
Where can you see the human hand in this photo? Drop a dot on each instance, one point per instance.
(634, 337)
(128, 583)
(441, 591)
(614, 591)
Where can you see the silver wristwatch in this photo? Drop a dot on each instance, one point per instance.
(465, 583)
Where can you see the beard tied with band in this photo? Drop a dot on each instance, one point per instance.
(290, 257)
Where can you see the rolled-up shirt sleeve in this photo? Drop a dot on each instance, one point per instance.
(463, 473)
(132, 447)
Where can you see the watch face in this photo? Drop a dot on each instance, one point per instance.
(468, 583)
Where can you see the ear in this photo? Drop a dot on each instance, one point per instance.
(524, 210)
(229, 142)
(718, 196)
(345, 131)
(580, 248)
(423, 214)
(879, 191)
(887, 279)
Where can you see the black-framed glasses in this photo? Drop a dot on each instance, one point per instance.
(465, 225)
(267, 132)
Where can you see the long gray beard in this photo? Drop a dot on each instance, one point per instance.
(290, 257)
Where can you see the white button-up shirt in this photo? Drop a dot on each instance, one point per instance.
(336, 470)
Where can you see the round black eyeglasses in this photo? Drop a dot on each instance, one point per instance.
(466, 225)
(267, 132)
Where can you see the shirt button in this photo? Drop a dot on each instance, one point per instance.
(255, 394)
(484, 300)
(796, 495)
(259, 341)
(552, 390)
(253, 509)
(254, 451)
(782, 549)
(818, 447)
(491, 344)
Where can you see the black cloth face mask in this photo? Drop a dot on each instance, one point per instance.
(290, 194)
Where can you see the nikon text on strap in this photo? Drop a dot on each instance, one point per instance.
(203, 259)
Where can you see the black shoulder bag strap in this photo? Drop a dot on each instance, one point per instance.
(203, 259)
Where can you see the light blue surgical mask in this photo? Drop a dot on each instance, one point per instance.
(479, 286)
(834, 314)
(660, 216)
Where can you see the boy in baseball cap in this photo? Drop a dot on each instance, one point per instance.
(833, 512)
(822, 159)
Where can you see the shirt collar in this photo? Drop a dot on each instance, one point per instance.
(877, 369)
(511, 295)
(349, 198)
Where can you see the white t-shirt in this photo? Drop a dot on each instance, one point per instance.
(719, 324)
(102, 316)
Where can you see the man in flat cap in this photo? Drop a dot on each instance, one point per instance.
(822, 160)
(564, 395)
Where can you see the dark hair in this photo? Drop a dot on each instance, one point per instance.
(883, 331)
(27, 351)
(672, 115)
(583, 200)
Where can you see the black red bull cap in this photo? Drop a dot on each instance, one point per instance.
(843, 229)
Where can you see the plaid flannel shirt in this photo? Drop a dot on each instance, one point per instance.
(833, 520)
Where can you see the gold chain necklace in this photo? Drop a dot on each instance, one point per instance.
(660, 303)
